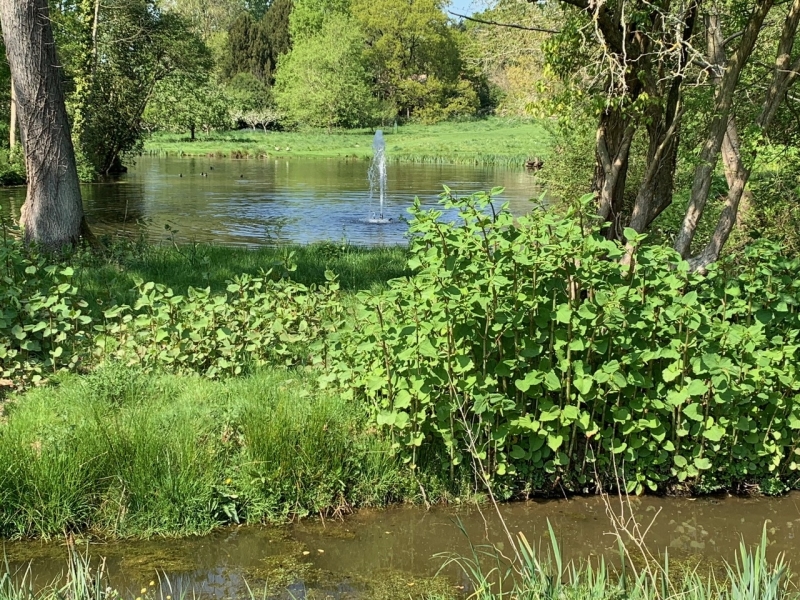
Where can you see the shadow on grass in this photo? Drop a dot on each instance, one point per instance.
(110, 278)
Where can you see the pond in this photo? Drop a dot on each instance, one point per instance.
(397, 548)
(275, 201)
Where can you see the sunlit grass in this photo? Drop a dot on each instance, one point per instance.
(494, 141)
(128, 453)
(108, 277)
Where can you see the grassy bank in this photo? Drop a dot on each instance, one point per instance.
(123, 453)
(493, 141)
(108, 277)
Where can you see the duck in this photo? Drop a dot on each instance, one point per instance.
(534, 164)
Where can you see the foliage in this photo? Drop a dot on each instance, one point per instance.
(776, 195)
(324, 82)
(309, 16)
(525, 345)
(246, 93)
(181, 103)
(207, 17)
(93, 453)
(12, 167)
(44, 325)
(86, 309)
(249, 49)
(259, 321)
(255, 43)
(415, 58)
(513, 60)
(47, 326)
(138, 45)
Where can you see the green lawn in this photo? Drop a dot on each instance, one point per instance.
(495, 141)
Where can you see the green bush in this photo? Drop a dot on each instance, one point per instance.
(525, 346)
(259, 321)
(44, 325)
(47, 325)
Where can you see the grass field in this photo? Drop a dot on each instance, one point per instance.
(501, 142)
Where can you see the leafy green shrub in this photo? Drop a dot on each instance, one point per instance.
(47, 326)
(44, 325)
(525, 346)
(259, 321)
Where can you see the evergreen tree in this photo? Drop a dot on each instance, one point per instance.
(249, 49)
(276, 21)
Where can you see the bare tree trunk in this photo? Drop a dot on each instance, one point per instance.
(784, 75)
(731, 147)
(723, 102)
(656, 191)
(53, 212)
(731, 157)
(12, 125)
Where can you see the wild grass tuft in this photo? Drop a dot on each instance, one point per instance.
(542, 574)
(135, 454)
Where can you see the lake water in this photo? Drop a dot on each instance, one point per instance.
(340, 558)
(275, 201)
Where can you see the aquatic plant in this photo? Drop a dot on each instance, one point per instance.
(542, 574)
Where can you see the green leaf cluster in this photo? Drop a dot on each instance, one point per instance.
(259, 321)
(527, 347)
(48, 325)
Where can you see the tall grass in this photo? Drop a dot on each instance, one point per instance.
(135, 454)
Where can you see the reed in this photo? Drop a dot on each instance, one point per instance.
(542, 574)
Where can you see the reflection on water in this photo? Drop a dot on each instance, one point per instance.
(376, 545)
(262, 202)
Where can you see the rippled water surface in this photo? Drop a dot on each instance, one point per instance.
(258, 202)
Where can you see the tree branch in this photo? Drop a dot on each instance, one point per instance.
(509, 25)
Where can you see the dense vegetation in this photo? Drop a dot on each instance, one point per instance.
(610, 344)
(516, 347)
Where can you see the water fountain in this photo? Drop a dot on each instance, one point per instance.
(377, 177)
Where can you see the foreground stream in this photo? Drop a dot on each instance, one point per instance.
(397, 548)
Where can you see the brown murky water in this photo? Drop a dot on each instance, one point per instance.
(401, 546)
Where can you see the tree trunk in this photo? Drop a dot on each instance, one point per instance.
(784, 76)
(53, 212)
(614, 136)
(12, 125)
(731, 156)
(664, 122)
(191, 130)
(723, 102)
